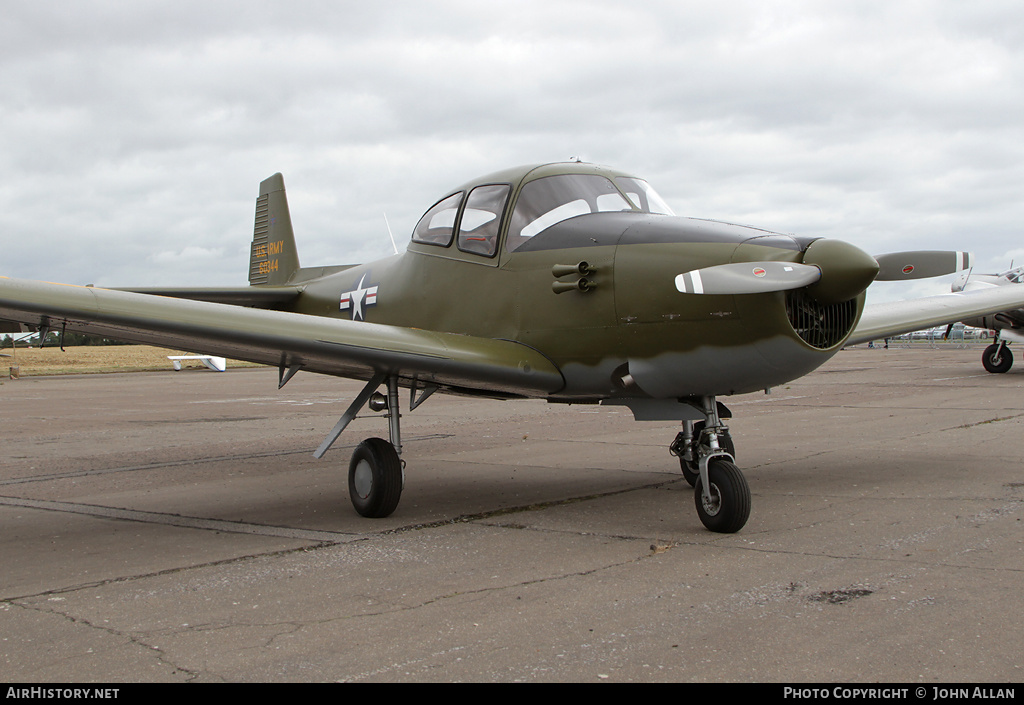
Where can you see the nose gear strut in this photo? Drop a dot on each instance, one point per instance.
(707, 457)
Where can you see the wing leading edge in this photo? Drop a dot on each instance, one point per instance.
(890, 319)
(279, 338)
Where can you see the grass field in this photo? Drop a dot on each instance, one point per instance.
(90, 359)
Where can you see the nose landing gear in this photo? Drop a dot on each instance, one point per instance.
(725, 507)
(707, 457)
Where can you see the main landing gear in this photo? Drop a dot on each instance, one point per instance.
(705, 449)
(997, 357)
(707, 458)
(376, 473)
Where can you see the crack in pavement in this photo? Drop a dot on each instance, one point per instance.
(225, 525)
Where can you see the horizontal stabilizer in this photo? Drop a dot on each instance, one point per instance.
(747, 278)
(921, 264)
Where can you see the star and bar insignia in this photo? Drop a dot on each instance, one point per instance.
(359, 298)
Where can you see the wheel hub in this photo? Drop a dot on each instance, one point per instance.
(363, 479)
(712, 501)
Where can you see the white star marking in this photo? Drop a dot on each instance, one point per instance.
(357, 298)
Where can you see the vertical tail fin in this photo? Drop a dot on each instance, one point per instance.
(274, 257)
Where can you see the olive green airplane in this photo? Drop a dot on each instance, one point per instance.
(568, 282)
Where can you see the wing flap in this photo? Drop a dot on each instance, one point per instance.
(327, 345)
(889, 319)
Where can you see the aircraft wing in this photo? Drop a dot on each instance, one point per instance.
(897, 317)
(327, 345)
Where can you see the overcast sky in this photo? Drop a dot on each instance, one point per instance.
(135, 134)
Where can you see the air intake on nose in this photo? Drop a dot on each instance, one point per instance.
(821, 326)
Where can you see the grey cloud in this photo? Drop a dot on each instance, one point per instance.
(135, 131)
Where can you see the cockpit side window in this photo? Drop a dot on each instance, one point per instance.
(552, 199)
(481, 220)
(437, 225)
(644, 197)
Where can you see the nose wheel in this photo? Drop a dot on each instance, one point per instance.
(707, 457)
(725, 507)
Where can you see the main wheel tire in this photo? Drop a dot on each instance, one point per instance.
(690, 475)
(729, 507)
(375, 478)
(996, 361)
(691, 469)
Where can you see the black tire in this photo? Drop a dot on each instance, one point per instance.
(691, 470)
(689, 474)
(996, 361)
(375, 478)
(729, 508)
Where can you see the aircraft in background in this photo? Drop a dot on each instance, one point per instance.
(1008, 325)
(568, 282)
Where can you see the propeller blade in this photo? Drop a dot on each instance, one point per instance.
(900, 266)
(747, 278)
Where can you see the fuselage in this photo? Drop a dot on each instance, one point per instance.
(1012, 319)
(579, 263)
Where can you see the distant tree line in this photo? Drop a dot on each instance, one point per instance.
(53, 339)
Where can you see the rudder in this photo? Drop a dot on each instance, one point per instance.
(273, 258)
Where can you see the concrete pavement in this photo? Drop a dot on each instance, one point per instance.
(175, 527)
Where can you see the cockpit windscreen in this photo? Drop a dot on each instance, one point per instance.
(545, 202)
